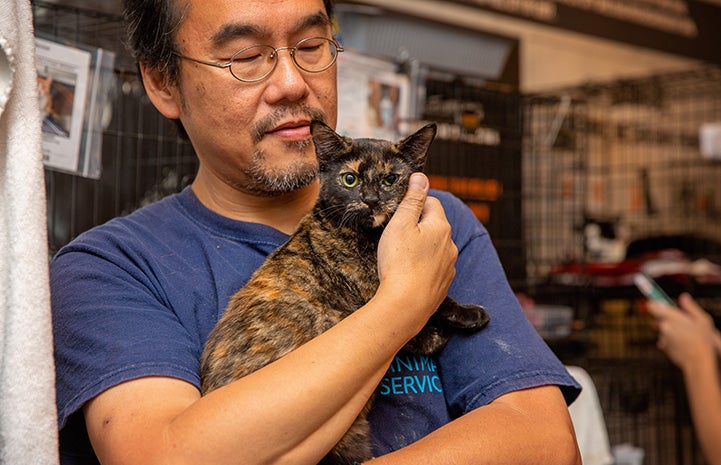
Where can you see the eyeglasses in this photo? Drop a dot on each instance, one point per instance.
(255, 62)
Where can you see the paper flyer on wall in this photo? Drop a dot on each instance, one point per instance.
(373, 98)
(72, 94)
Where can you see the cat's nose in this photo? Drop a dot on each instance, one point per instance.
(370, 199)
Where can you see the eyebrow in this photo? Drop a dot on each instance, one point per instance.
(317, 19)
(233, 31)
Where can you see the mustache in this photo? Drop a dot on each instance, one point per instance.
(268, 122)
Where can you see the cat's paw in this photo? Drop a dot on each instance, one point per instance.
(469, 316)
(474, 317)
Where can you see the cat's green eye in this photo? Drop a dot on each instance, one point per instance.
(390, 179)
(349, 179)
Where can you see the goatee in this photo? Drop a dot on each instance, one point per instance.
(270, 182)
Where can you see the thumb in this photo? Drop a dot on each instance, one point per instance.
(659, 310)
(413, 202)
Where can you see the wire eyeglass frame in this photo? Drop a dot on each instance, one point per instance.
(268, 56)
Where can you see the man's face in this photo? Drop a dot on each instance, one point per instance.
(254, 137)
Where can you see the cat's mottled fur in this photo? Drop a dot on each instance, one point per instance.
(328, 269)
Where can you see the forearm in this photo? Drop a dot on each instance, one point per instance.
(318, 390)
(292, 411)
(704, 397)
(524, 427)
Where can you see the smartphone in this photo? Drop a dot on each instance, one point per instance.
(651, 289)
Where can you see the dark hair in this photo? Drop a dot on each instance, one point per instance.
(151, 27)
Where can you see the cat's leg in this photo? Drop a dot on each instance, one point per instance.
(429, 341)
(450, 316)
(470, 317)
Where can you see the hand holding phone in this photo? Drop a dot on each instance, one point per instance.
(652, 290)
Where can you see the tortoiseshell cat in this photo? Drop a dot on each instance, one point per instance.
(328, 269)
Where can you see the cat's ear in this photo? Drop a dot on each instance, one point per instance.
(327, 142)
(416, 145)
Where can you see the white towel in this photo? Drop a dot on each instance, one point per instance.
(588, 421)
(28, 418)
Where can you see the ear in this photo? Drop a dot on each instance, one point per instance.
(327, 142)
(164, 96)
(416, 145)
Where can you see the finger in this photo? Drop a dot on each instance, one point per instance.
(690, 305)
(659, 310)
(717, 341)
(434, 214)
(411, 206)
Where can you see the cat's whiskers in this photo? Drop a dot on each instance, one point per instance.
(333, 211)
(348, 215)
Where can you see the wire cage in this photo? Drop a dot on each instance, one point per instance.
(142, 156)
(623, 156)
(615, 180)
(477, 156)
(625, 151)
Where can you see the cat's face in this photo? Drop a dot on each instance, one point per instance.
(364, 180)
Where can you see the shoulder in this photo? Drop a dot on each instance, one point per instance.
(465, 224)
(177, 225)
(139, 227)
(456, 209)
(448, 200)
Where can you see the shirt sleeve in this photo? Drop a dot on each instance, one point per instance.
(112, 323)
(508, 354)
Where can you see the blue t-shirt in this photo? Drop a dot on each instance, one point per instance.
(138, 296)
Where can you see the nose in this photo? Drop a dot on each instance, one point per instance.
(287, 82)
(370, 198)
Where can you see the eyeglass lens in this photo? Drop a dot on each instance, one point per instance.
(313, 55)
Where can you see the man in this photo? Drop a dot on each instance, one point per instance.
(134, 299)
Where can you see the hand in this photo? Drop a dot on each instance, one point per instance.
(690, 339)
(416, 255)
(687, 334)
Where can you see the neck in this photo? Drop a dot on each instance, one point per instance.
(282, 212)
